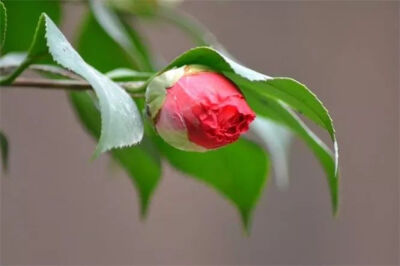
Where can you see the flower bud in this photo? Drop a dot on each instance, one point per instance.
(196, 109)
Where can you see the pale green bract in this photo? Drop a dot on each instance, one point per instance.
(157, 89)
(121, 121)
(156, 93)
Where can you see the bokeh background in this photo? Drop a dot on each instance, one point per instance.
(59, 208)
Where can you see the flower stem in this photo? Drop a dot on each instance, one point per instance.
(134, 88)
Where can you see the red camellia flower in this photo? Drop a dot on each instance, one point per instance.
(196, 109)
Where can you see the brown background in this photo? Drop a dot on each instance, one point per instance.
(58, 208)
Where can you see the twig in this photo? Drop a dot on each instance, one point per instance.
(73, 85)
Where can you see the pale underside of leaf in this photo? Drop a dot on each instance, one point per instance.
(121, 120)
(282, 114)
(277, 139)
(13, 59)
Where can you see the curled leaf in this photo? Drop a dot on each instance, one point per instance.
(121, 120)
(286, 91)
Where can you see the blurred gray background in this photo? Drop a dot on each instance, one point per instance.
(59, 208)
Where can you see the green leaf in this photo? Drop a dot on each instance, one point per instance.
(22, 17)
(141, 162)
(122, 34)
(277, 140)
(293, 93)
(92, 35)
(103, 29)
(287, 90)
(37, 50)
(3, 25)
(238, 171)
(282, 114)
(13, 60)
(4, 151)
(278, 90)
(121, 120)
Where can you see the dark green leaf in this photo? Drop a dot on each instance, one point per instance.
(104, 30)
(293, 93)
(3, 25)
(122, 34)
(4, 151)
(238, 171)
(92, 35)
(22, 17)
(37, 50)
(141, 162)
